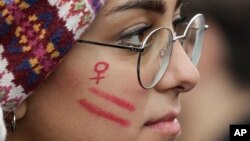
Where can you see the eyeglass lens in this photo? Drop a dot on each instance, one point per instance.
(193, 41)
(153, 61)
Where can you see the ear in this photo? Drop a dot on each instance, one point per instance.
(21, 110)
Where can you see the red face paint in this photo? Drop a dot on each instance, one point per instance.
(102, 113)
(100, 68)
(116, 100)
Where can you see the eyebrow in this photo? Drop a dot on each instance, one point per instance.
(158, 6)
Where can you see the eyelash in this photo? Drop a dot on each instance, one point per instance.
(136, 32)
(148, 27)
(135, 35)
(141, 30)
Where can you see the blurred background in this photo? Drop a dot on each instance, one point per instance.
(222, 97)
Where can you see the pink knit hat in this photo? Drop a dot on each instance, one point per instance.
(34, 36)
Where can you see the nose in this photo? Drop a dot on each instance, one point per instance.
(181, 75)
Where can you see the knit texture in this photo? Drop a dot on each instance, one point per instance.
(34, 36)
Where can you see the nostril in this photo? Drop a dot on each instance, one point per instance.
(180, 89)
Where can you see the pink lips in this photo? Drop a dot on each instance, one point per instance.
(168, 125)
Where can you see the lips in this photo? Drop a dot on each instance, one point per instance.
(167, 124)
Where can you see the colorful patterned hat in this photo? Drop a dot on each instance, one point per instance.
(34, 36)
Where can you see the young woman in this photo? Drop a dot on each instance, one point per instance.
(120, 81)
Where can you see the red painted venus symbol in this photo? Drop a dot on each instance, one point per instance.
(100, 68)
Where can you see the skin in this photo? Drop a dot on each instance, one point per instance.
(53, 111)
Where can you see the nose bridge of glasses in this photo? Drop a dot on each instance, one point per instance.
(195, 23)
(179, 37)
(189, 27)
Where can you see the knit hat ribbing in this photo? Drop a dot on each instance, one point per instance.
(34, 36)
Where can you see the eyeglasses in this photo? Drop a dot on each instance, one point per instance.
(155, 49)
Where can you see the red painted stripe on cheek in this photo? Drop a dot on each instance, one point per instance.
(118, 101)
(102, 113)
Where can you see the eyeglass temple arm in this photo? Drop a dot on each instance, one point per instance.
(132, 48)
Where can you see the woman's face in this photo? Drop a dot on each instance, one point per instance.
(94, 94)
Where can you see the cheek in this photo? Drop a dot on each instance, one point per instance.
(71, 76)
(103, 92)
(124, 83)
(103, 112)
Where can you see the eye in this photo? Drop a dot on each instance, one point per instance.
(135, 35)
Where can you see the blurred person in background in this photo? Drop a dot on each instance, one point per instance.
(222, 96)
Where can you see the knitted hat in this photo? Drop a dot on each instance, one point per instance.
(34, 36)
